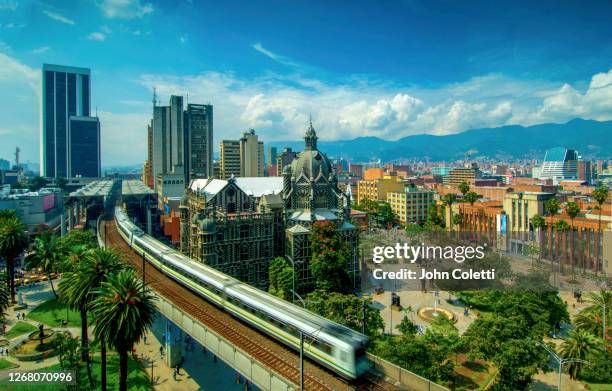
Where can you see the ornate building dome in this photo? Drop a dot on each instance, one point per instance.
(311, 163)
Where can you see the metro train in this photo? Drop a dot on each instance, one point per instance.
(334, 346)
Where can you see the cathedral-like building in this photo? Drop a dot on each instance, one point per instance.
(239, 225)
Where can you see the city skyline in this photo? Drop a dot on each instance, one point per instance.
(515, 68)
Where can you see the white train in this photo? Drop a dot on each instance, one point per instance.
(337, 347)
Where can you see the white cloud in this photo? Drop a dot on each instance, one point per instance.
(277, 107)
(8, 5)
(126, 9)
(41, 50)
(96, 36)
(12, 70)
(58, 17)
(124, 137)
(274, 56)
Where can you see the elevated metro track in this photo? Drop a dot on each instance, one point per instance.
(266, 350)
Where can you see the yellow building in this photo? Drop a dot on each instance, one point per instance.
(521, 207)
(410, 206)
(377, 189)
(230, 158)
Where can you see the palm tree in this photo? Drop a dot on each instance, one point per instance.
(124, 310)
(561, 226)
(5, 298)
(580, 345)
(8, 213)
(600, 195)
(590, 319)
(449, 199)
(464, 187)
(538, 222)
(47, 253)
(572, 209)
(78, 291)
(471, 197)
(551, 207)
(457, 220)
(13, 241)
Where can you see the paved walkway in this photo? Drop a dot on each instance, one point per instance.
(162, 374)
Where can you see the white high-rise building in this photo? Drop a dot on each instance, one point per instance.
(560, 164)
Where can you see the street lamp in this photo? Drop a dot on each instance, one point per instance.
(560, 360)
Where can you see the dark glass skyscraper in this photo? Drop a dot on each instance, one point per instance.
(65, 93)
(84, 144)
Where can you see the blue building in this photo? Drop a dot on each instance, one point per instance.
(65, 93)
(84, 147)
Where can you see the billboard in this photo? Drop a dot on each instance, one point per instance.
(48, 202)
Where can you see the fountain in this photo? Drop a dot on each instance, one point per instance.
(37, 346)
(431, 313)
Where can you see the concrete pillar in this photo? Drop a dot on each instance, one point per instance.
(173, 344)
(149, 222)
(63, 223)
(70, 217)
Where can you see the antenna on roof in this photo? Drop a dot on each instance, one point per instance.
(187, 100)
(154, 96)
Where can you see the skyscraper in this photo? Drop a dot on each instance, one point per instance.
(251, 155)
(84, 147)
(65, 93)
(198, 123)
(230, 158)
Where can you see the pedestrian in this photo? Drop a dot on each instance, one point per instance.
(144, 338)
(17, 314)
(174, 374)
(178, 369)
(161, 351)
(214, 358)
(23, 316)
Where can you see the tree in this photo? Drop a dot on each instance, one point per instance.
(47, 254)
(407, 327)
(281, 278)
(580, 345)
(457, 220)
(600, 195)
(590, 319)
(5, 298)
(78, 291)
(68, 354)
(61, 182)
(347, 310)
(37, 183)
(124, 310)
(464, 188)
(434, 218)
(13, 241)
(538, 222)
(551, 206)
(385, 214)
(330, 253)
(572, 209)
(449, 199)
(471, 198)
(8, 214)
(517, 361)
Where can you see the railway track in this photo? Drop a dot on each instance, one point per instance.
(283, 360)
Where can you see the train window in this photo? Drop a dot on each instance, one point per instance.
(343, 356)
(322, 346)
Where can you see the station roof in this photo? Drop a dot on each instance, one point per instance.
(94, 189)
(133, 187)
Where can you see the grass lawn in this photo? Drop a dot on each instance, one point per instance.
(4, 364)
(137, 377)
(18, 329)
(599, 387)
(472, 375)
(52, 313)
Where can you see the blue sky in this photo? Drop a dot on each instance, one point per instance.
(387, 69)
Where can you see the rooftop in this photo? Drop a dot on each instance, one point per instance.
(135, 187)
(94, 189)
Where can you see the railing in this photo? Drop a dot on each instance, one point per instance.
(408, 380)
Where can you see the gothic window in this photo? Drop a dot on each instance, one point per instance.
(231, 207)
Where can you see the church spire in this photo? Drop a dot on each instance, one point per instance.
(311, 136)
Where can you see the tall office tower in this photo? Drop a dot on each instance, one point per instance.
(84, 147)
(65, 93)
(585, 171)
(272, 154)
(176, 134)
(147, 169)
(560, 164)
(198, 123)
(230, 158)
(161, 147)
(251, 155)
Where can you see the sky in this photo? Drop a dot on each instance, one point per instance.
(388, 69)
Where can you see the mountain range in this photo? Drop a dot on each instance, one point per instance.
(592, 139)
